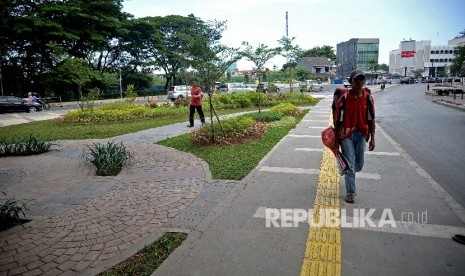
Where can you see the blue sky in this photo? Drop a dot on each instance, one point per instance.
(319, 22)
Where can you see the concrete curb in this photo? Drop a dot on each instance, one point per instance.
(445, 103)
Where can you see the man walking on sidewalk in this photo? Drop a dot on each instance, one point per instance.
(354, 126)
(196, 103)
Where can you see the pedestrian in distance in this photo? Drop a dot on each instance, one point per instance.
(355, 126)
(195, 104)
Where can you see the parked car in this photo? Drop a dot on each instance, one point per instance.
(385, 81)
(12, 103)
(407, 80)
(234, 87)
(311, 85)
(264, 87)
(346, 84)
(178, 92)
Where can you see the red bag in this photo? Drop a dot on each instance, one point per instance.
(328, 137)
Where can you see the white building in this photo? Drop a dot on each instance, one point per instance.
(433, 60)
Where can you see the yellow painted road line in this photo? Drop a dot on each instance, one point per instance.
(323, 249)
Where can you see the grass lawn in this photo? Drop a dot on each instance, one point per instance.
(50, 130)
(231, 162)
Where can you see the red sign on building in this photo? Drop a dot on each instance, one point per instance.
(407, 54)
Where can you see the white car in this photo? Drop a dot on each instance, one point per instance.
(179, 91)
(313, 85)
(235, 87)
(346, 84)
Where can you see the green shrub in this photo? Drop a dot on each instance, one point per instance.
(285, 122)
(244, 100)
(109, 159)
(119, 112)
(11, 212)
(181, 101)
(24, 146)
(234, 129)
(268, 116)
(241, 100)
(89, 100)
(130, 95)
(285, 109)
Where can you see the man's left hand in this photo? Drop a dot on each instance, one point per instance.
(371, 146)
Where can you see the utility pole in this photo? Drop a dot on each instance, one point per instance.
(1, 78)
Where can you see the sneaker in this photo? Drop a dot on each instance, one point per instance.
(350, 199)
(190, 125)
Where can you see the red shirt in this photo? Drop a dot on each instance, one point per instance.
(196, 101)
(353, 114)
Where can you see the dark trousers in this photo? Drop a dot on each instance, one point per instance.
(192, 109)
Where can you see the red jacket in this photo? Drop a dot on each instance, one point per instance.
(354, 113)
(195, 91)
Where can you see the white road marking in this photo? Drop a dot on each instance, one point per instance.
(289, 170)
(304, 136)
(403, 228)
(384, 153)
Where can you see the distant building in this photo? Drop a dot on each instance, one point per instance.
(316, 65)
(432, 60)
(357, 53)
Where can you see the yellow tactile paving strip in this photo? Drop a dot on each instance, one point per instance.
(323, 249)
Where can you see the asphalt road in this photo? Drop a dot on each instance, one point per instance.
(433, 135)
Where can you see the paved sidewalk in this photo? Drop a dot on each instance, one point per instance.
(423, 217)
(83, 224)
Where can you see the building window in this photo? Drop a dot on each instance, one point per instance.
(431, 60)
(441, 60)
(432, 52)
(436, 60)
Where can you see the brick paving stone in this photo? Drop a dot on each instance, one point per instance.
(54, 272)
(35, 264)
(33, 272)
(17, 270)
(62, 259)
(48, 266)
(126, 209)
(7, 266)
(66, 265)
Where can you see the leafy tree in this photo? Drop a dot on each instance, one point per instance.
(292, 54)
(75, 72)
(171, 50)
(210, 59)
(302, 73)
(384, 67)
(324, 51)
(373, 65)
(33, 30)
(259, 56)
(458, 63)
(418, 73)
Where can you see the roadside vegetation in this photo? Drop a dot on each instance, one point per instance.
(122, 118)
(234, 153)
(12, 213)
(146, 261)
(109, 158)
(19, 146)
